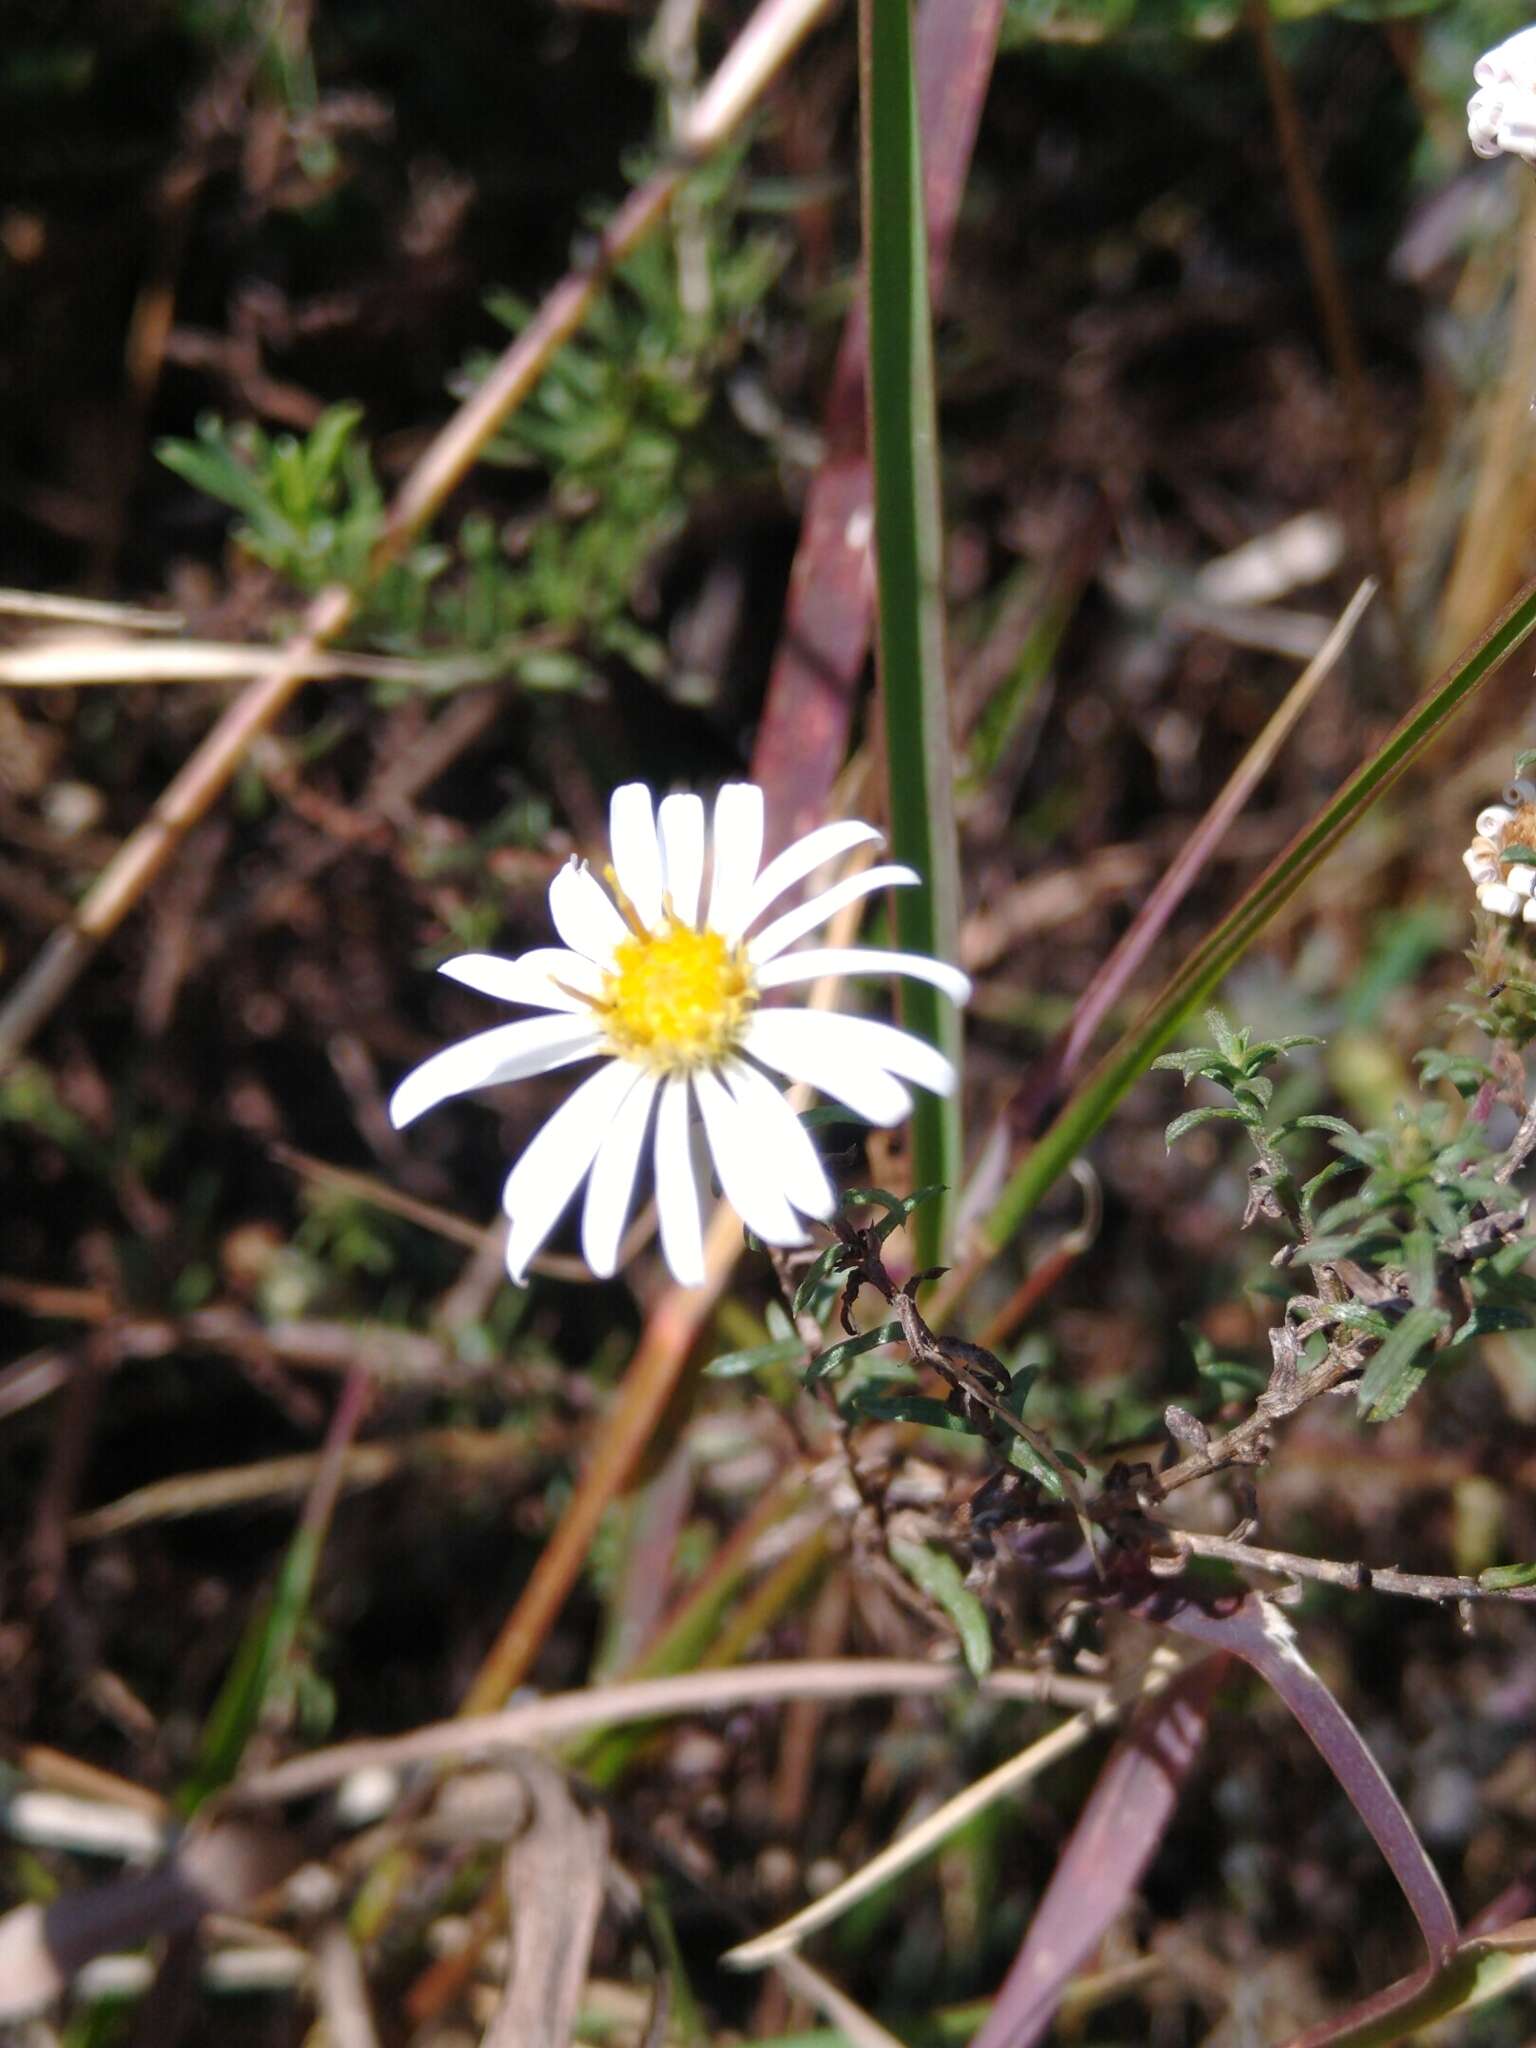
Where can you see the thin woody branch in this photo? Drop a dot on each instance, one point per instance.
(1353, 1577)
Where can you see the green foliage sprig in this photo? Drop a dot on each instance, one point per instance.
(1422, 1257)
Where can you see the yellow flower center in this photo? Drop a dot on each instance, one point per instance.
(676, 998)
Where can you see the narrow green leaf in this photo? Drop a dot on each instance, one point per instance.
(884, 1403)
(837, 1355)
(1230, 1042)
(732, 1365)
(817, 1275)
(1194, 1117)
(1393, 1375)
(1023, 1456)
(264, 1650)
(1507, 1578)
(1205, 970)
(935, 1573)
(909, 569)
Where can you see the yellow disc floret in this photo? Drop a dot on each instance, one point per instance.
(676, 998)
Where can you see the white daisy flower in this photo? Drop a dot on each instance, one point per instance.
(663, 984)
(1501, 115)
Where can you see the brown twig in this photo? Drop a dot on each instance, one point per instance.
(1354, 1577)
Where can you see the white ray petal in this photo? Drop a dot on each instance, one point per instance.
(612, 1186)
(532, 978)
(883, 1045)
(510, 1052)
(794, 924)
(584, 914)
(782, 1040)
(557, 1158)
(738, 848)
(750, 1181)
(636, 850)
(680, 820)
(780, 1137)
(677, 1191)
(819, 960)
(807, 854)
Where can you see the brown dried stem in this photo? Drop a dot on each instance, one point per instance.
(1354, 1577)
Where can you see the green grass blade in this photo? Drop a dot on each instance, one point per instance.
(262, 1659)
(908, 557)
(1201, 975)
(259, 1661)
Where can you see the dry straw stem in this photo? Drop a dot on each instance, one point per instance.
(62, 662)
(565, 1714)
(760, 51)
(87, 611)
(852, 2021)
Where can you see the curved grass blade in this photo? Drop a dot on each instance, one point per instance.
(909, 587)
(1200, 976)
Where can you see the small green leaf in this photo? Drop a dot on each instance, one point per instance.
(732, 1365)
(1419, 1260)
(1233, 1044)
(1182, 1125)
(1228, 1372)
(1313, 1188)
(1023, 1456)
(1507, 1578)
(885, 1401)
(935, 1573)
(1323, 1123)
(817, 1275)
(837, 1355)
(1394, 1373)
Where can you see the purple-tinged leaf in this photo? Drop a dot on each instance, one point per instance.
(1255, 1630)
(1116, 1836)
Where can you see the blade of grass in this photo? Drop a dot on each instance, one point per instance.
(903, 439)
(270, 1635)
(1202, 974)
(802, 736)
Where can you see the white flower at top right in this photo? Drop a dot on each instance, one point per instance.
(1501, 114)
